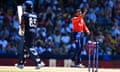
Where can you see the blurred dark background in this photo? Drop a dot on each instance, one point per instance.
(54, 34)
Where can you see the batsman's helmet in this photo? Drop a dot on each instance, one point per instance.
(28, 5)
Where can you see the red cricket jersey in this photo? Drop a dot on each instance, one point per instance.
(79, 24)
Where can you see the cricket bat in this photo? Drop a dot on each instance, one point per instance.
(20, 12)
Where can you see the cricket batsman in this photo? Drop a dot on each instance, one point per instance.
(27, 28)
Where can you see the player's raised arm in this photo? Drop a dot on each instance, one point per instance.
(84, 13)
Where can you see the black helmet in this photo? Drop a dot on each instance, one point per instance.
(28, 5)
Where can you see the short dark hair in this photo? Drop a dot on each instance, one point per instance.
(77, 10)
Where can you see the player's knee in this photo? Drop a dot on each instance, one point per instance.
(32, 50)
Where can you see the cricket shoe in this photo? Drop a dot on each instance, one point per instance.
(42, 64)
(20, 66)
(80, 66)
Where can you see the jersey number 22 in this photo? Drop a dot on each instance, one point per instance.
(32, 21)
